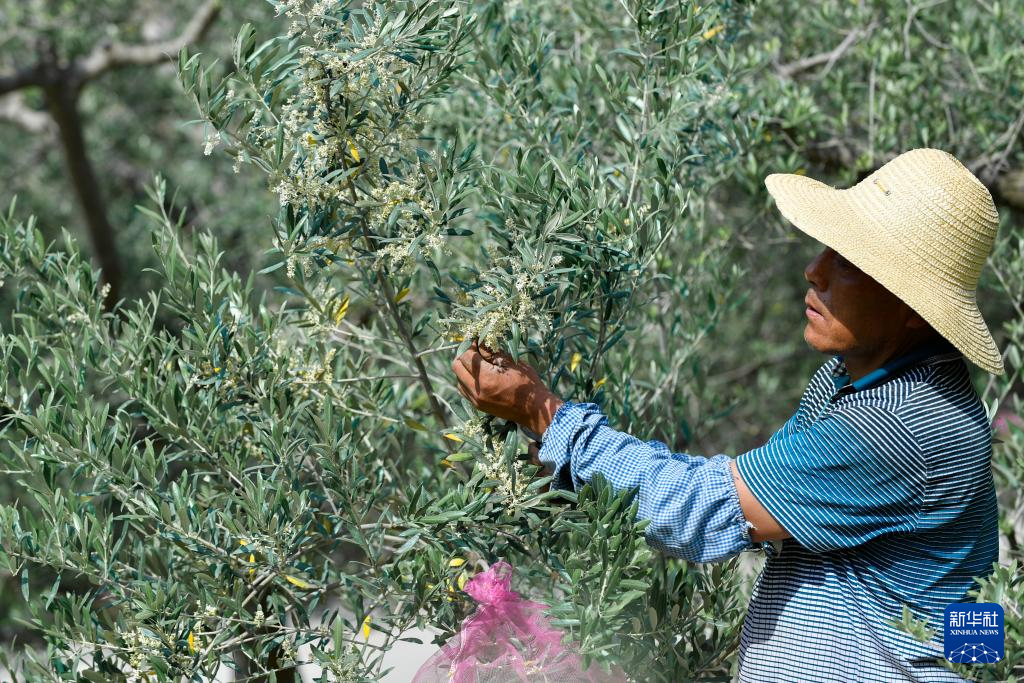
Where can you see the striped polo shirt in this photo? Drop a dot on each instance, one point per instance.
(885, 485)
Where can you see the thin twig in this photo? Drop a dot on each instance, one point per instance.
(644, 132)
(829, 58)
(400, 327)
(995, 165)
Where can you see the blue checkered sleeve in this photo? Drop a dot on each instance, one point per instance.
(691, 501)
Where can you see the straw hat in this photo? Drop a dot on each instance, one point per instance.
(921, 225)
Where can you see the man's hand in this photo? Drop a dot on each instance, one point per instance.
(514, 391)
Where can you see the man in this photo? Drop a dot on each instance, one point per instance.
(879, 487)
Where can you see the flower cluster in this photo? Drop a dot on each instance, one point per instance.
(141, 646)
(350, 123)
(211, 143)
(316, 373)
(472, 429)
(288, 651)
(345, 664)
(515, 305)
(333, 147)
(397, 254)
(319, 246)
(511, 480)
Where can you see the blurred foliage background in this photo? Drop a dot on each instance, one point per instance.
(92, 107)
(132, 118)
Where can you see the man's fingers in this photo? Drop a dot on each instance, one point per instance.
(486, 353)
(465, 381)
(498, 358)
(476, 364)
(464, 376)
(468, 394)
(468, 358)
(534, 452)
(478, 352)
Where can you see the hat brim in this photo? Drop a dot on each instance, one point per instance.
(836, 219)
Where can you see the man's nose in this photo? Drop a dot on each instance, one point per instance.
(814, 273)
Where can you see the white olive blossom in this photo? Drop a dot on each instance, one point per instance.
(212, 141)
(495, 467)
(141, 647)
(516, 305)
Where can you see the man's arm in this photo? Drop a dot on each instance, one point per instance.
(693, 502)
(699, 507)
(766, 527)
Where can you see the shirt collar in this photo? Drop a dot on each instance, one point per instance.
(927, 350)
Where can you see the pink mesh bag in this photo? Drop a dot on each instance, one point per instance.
(507, 640)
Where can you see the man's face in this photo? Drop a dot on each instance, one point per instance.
(848, 312)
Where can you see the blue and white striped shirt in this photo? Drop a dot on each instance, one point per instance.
(885, 485)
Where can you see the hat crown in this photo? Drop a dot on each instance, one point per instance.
(936, 211)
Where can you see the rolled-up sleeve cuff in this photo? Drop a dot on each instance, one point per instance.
(770, 548)
(556, 443)
(736, 516)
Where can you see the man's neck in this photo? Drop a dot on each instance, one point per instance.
(859, 365)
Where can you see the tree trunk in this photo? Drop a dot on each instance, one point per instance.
(62, 101)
